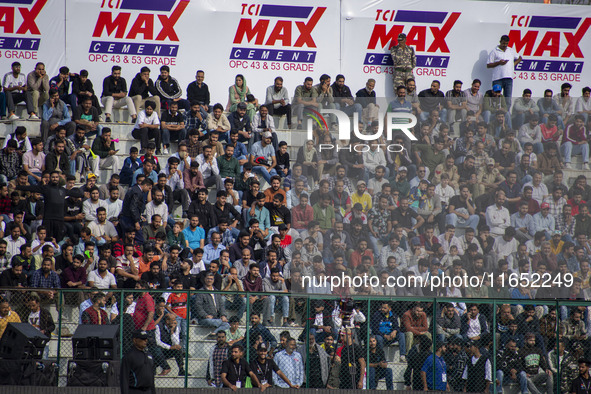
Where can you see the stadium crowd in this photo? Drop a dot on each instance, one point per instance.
(481, 191)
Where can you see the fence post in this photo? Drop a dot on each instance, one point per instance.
(121, 307)
(60, 309)
(308, 342)
(246, 329)
(368, 318)
(557, 346)
(494, 352)
(187, 329)
(434, 342)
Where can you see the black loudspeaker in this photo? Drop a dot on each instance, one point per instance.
(87, 373)
(28, 373)
(22, 341)
(96, 342)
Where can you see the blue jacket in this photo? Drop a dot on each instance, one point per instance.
(129, 167)
(383, 325)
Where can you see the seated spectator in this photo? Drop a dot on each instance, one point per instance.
(535, 364)
(170, 340)
(548, 106)
(7, 315)
(275, 283)
(96, 314)
(291, 362)
(74, 276)
(209, 312)
(15, 87)
(46, 278)
(38, 317)
(474, 324)
(37, 90)
(173, 126)
(574, 142)
(523, 107)
(147, 127)
(531, 132)
(385, 329)
(55, 113)
(217, 121)
(262, 157)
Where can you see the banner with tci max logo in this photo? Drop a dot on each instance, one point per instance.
(296, 39)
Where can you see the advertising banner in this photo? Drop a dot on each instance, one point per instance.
(223, 38)
(32, 31)
(452, 40)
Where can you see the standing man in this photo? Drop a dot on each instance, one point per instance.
(405, 61)
(582, 384)
(137, 367)
(503, 60)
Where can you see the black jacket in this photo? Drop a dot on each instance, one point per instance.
(51, 162)
(239, 124)
(196, 93)
(134, 204)
(54, 197)
(110, 86)
(137, 371)
(139, 87)
(207, 217)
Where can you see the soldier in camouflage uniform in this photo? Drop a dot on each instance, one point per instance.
(405, 61)
(569, 365)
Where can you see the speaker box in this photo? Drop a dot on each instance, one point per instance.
(28, 373)
(96, 342)
(93, 373)
(22, 341)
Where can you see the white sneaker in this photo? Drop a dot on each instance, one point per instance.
(13, 117)
(165, 151)
(33, 117)
(586, 166)
(567, 165)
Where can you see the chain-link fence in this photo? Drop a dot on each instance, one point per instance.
(287, 340)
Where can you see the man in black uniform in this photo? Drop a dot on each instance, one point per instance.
(582, 384)
(263, 368)
(54, 197)
(137, 367)
(236, 369)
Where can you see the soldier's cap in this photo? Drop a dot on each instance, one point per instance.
(140, 334)
(402, 36)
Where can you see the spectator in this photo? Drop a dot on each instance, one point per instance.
(478, 371)
(37, 90)
(414, 323)
(96, 314)
(38, 317)
(55, 113)
(169, 339)
(233, 376)
(535, 365)
(14, 85)
(210, 308)
(385, 330)
(441, 383)
(7, 315)
(147, 127)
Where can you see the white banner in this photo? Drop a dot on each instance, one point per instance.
(452, 40)
(222, 37)
(262, 40)
(32, 31)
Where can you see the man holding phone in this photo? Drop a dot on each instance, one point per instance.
(503, 59)
(104, 153)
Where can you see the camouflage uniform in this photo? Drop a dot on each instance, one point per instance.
(569, 371)
(405, 61)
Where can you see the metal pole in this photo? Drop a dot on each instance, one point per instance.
(246, 329)
(494, 348)
(59, 331)
(367, 344)
(308, 342)
(121, 305)
(434, 333)
(557, 347)
(187, 329)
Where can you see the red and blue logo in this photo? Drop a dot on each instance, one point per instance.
(267, 26)
(546, 42)
(19, 18)
(426, 31)
(147, 32)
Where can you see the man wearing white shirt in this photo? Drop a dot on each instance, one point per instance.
(497, 216)
(101, 229)
(114, 205)
(208, 166)
(90, 205)
(448, 239)
(503, 60)
(169, 339)
(15, 86)
(157, 206)
(101, 278)
(505, 246)
(583, 104)
(277, 100)
(147, 126)
(540, 190)
(14, 241)
(174, 179)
